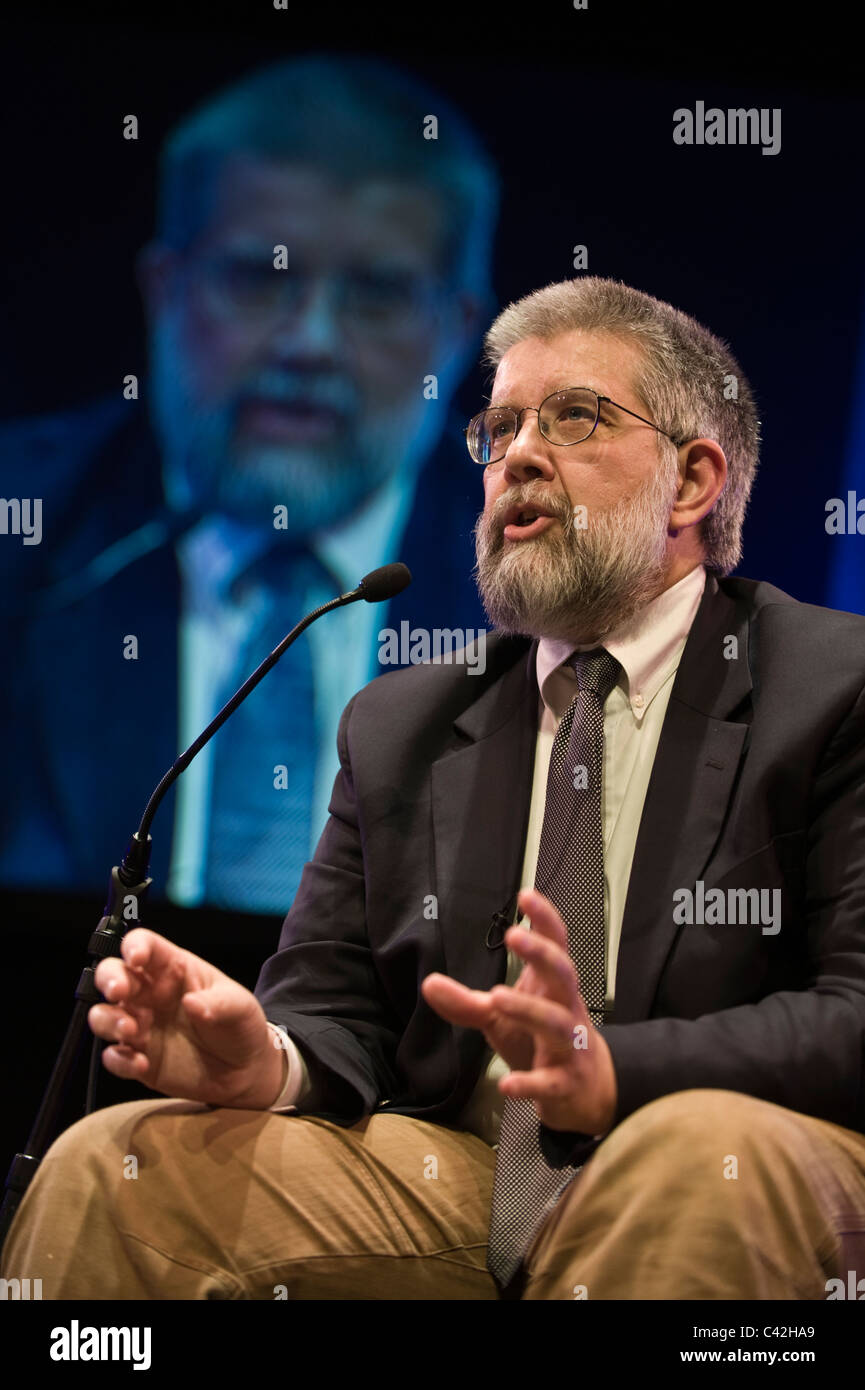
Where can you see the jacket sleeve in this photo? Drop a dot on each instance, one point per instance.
(321, 985)
(802, 1049)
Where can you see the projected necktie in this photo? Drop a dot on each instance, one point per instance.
(265, 756)
(570, 873)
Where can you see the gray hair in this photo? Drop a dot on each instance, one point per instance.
(688, 379)
(360, 118)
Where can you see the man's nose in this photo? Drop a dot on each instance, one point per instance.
(312, 324)
(528, 454)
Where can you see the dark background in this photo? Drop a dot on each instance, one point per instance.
(577, 109)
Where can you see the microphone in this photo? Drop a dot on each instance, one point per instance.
(383, 583)
(380, 584)
(495, 937)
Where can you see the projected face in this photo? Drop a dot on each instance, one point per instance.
(296, 378)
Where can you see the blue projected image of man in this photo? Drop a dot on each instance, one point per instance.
(315, 292)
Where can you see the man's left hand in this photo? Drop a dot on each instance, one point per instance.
(540, 1027)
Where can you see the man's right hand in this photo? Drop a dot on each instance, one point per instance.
(180, 1026)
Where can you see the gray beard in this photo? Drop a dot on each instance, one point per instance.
(319, 486)
(571, 584)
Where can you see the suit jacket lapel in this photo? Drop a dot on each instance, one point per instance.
(120, 735)
(694, 773)
(480, 798)
(108, 724)
(482, 793)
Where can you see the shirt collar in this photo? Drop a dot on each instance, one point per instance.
(648, 647)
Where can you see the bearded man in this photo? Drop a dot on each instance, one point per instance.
(492, 1056)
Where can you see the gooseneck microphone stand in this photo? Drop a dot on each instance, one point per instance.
(127, 887)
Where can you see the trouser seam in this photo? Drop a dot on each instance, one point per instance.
(442, 1255)
(227, 1281)
(400, 1224)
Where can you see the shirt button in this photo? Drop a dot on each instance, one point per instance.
(639, 701)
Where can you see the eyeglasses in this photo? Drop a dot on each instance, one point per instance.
(566, 417)
(250, 286)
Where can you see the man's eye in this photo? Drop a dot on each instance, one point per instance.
(253, 275)
(380, 292)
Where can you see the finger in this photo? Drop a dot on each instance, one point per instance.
(543, 1017)
(115, 980)
(126, 1063)
(469, 1008)
(544, 917)
(218, 1003)
(112, 1024)
(149, 954)
(553, 965)
(227, 1022)
(145, 956)
(543, 1084)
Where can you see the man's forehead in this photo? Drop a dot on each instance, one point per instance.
(253, 196)
(577, 358)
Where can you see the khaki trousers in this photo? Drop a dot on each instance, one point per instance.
(700, 1195)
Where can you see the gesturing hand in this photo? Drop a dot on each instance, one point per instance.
(178, 1025)
(540, 1026)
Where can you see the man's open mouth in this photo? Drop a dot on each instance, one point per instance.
(522, 523)
(289, 420)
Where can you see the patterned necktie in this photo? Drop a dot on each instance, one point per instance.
(264, 758)
(570, 873)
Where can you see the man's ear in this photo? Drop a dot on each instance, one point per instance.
(702, 477)
(155, 273)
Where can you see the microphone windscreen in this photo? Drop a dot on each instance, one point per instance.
(385, 582)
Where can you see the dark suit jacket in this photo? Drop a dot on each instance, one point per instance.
(758, 782)
(88, 735)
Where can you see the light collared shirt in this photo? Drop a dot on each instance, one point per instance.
(649, 649)
(215, 627)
